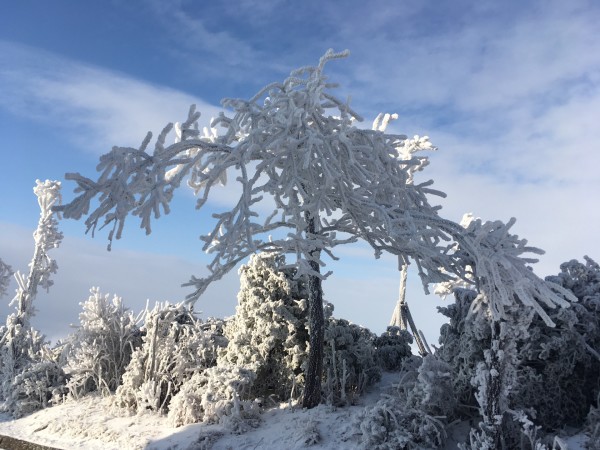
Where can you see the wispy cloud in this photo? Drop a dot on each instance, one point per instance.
(96, 108)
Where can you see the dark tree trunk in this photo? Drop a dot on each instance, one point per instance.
(312, 378)
(494, 408)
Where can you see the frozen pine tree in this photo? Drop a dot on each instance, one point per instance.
(269, 333)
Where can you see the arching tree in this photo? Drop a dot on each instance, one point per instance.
(296, 148)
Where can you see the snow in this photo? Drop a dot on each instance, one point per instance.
(92, 424)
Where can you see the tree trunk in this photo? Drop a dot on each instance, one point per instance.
(311, 396)
(492, 414)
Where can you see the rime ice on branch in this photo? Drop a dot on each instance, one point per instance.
(46, 237)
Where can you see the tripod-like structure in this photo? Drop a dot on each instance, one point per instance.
(403, 318)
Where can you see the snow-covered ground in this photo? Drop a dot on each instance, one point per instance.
(92, 424)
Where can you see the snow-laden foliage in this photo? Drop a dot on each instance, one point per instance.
(553, 376)
(175, 345)
(265, 353)
(22, 349)
(350, 363)
(5, 275)
(268, 333)
(493, 261)
(392, 347)
(101, 348)
(219, 394)
(415, 414)
(39, 385)
(462, 343)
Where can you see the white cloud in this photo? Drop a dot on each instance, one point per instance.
(96, 108)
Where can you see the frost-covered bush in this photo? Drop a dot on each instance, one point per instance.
(175, 346)
(556, 369)
(561, 366)
(268, 333)
(265, 353)
(39, 385)
(217, 395)
(392, 347)
(463, 341)
(101, 348)
(350, 361)
(415, 414)
(30, 377)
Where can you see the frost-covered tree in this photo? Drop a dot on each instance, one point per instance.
(22, 348)
(293, 143)
(269, 333)
(101, 348)
(296, 145)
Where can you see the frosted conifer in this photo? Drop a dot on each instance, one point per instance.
(269, 330)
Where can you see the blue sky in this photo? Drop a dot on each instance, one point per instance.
(509, 92)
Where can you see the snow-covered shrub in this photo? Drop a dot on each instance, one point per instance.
(268, 333)
(263, 360)
(101, 348)
(561, 365)
(308, 433)
(37, 386)
(29, 376)
(415, 414)
(555, 378)
(350, 362)
(392, 347)
(463, 341)
(217, 395)
(175, 346)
